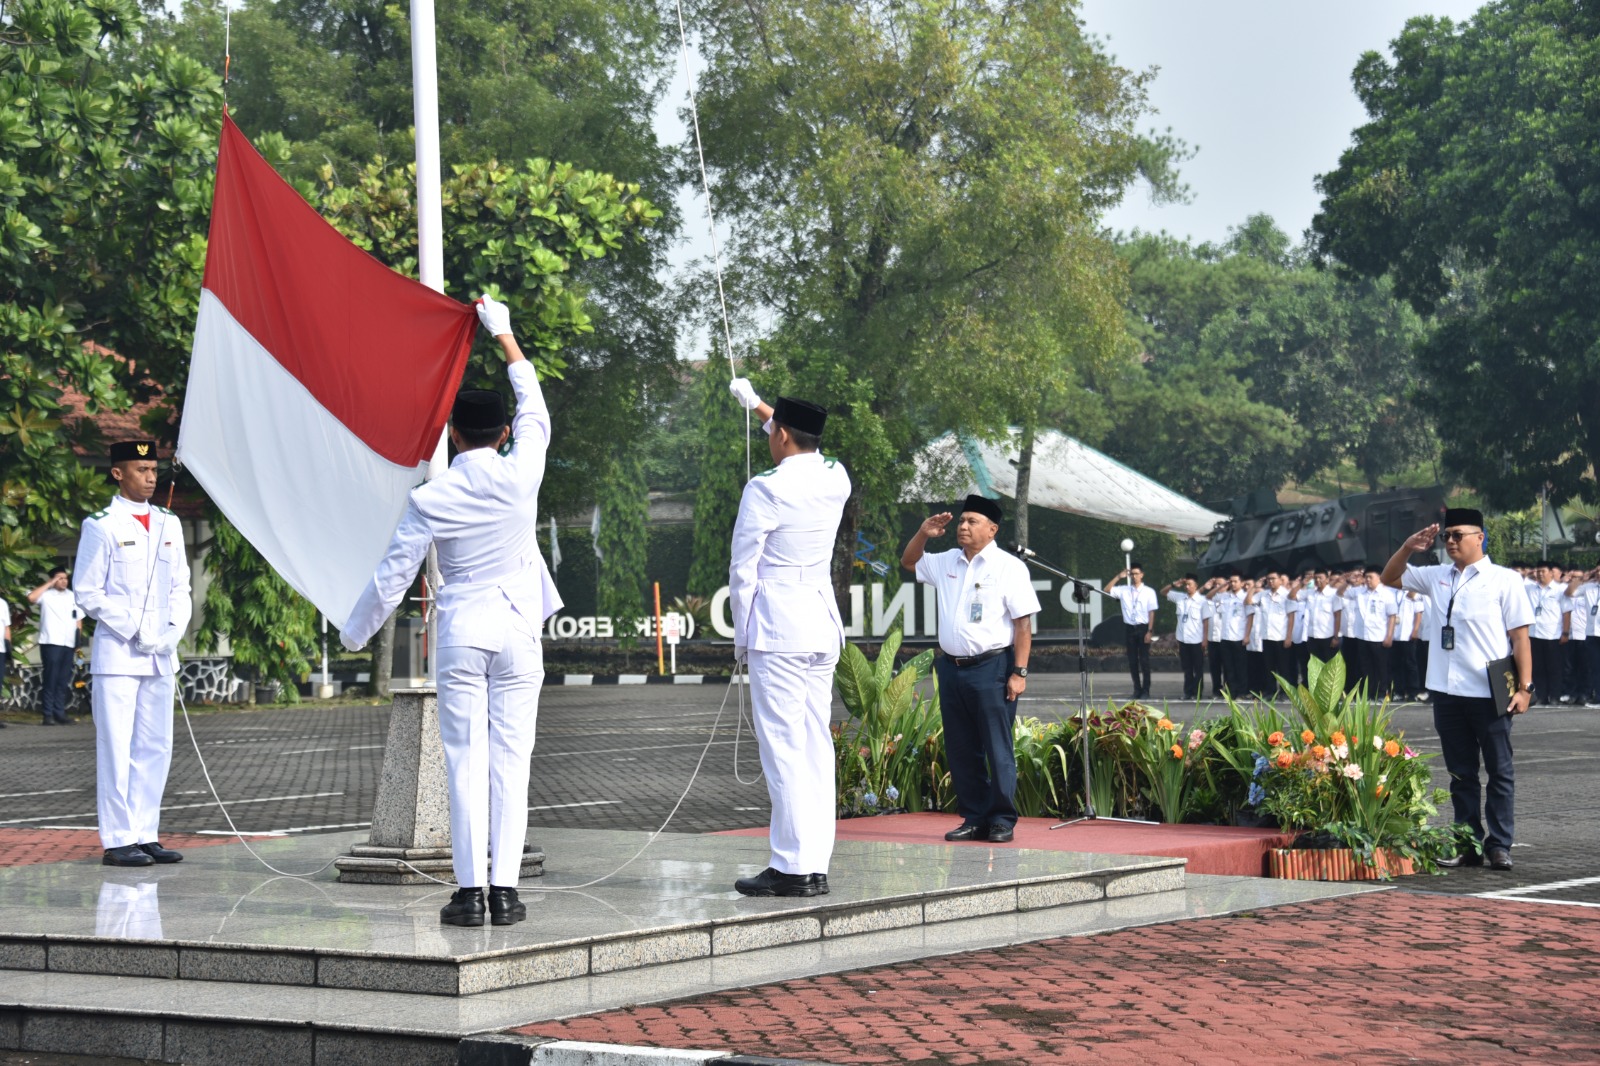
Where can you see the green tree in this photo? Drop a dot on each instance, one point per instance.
(914, 191)
(1473, 186)
(624, 502)
(103, 199)
(271, 630)
(720, 455)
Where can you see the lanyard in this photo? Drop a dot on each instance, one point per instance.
(1450, 608)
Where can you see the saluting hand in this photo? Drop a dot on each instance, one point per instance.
(1422, 539)
(933, 525)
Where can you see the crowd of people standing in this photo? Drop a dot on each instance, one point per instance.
(1248, 632)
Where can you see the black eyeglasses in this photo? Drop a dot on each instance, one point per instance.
(1458, 534)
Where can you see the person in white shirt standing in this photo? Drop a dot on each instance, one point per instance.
(1194, 618)
(1583, 588)
(986, 608)
(786, 626)
(1480, 614)
(1229, 603)
(1277, 638)
(5, 640)
(132, 577)
(59, 624)
(1548, 633)
(1324, 616)
(1139, 607)
(481, 515)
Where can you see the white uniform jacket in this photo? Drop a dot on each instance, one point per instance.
(780, 579)
(132, 580)
(482, 514)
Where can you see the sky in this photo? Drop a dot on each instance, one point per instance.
(1259, 88)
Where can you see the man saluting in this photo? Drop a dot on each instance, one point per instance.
(132, 577)
(787, 625)
(481, 514)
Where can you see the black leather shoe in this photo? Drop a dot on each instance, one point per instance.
(48, 721)
(127, 855)
(968, 831)
(465, 908)
(770, 882)
(159, 853)
(821, 881)
(1470, 858)
(1499, 858)
(504, 906)
(1001, 834)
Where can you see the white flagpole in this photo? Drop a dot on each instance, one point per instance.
(430, 226)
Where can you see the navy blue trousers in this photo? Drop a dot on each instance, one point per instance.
(55, 682)
(977, 738)
(1470, 728)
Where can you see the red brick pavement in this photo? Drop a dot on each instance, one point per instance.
(1384, 977)
(27, 847)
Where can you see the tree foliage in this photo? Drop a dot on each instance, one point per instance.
(271, 630)
(720, 456)
(914, 190)
(624, 502)
(1474, 186)
(103, 197)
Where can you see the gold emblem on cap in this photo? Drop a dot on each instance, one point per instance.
(142, 449)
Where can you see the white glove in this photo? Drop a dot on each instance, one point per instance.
(495, 316)
(740, 654)
(744, 393)
(148, 644)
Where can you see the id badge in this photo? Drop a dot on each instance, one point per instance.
(1447, 638)
(975, 612)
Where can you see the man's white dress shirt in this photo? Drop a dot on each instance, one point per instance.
(1488, 602)
(978, 600)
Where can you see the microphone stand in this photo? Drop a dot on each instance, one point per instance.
(1081, 591)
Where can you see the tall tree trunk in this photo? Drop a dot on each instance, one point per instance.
(383, 657)
(1024, 483)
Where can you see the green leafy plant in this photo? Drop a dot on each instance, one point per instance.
(891, 752)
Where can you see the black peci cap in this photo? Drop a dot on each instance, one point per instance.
(800, 416)
(478, 410)
(1463, 516)
(122, 451)
(984, 506)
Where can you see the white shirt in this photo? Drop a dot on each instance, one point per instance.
(1410, 623)
(1489, 603)
(1579, 607)
(1193, 613)
(1585, 616)
(1230, 608)
(978, 600)
(132, 581)
(1374, 608)
(1138, 604)
(1213, 621)
(1297, 619)
(58, 617)
(1548, 603)
(780, 576)
(482, 514)
(1255, 611)
(1274, 614)
(1323, 608)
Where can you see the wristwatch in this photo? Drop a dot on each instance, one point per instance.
(1526, 686)
(1020, 671)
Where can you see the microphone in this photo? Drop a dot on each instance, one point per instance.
(1026, 553)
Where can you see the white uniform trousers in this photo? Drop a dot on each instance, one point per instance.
(133, 750)
(488, 706)
(792, 695)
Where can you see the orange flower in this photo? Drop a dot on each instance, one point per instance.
(1276, 739)
(1177, 751)
(1319, 752)
(1391, 749)
(1307, 736)
(1337, 738)
(1379, 792)
(1285, 760)
(1165, 723)
(1354, 740)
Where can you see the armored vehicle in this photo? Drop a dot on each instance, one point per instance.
(1364, 528)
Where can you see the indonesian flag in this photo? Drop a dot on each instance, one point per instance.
(319, 383)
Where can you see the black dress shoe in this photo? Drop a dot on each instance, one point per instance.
(504, 906)
(1470, 858)
(1001, 834)
(1499, 858)
(968, 831)
(465, 908)
(127, 855)
(159, 853)
(48, 721)
(821, 881)
(770, 882)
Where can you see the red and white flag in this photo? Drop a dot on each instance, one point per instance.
(319, 383)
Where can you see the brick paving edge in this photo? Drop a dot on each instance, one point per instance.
(510, 1049)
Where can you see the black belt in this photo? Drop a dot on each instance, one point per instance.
(974, 660)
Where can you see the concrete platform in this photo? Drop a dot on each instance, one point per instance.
(216, 960)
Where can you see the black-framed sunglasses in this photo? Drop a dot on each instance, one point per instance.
(1458, 534)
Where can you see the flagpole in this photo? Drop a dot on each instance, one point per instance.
(430, 227)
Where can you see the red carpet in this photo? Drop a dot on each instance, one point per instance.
(1210, 849)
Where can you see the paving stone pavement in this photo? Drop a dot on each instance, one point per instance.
(1384, 977)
